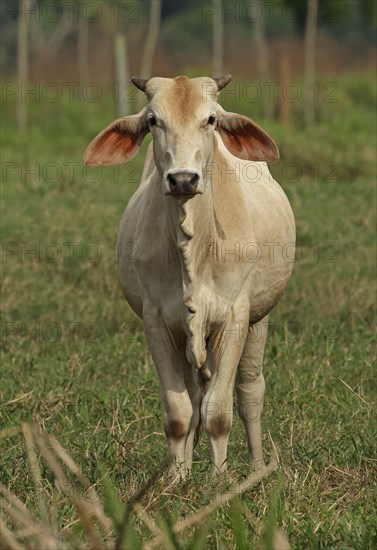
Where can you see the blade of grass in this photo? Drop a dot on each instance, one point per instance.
(357, 395)
(136, 498)
(9, 432)
(17, 399)
(84, 509)
(7, 538)
(34, 467)
(92, 494)
(20, 516)
(154, 529)
(238, 526)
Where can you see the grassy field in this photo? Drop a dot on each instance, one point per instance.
(74, 357)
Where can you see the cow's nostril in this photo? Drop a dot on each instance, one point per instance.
(194, 180)
(172, 181)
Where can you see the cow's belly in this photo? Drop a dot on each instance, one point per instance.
(266, 293)
(130, 288)
(262, 289)
(273, 257)
(157, 297)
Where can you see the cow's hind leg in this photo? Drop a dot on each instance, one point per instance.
(250, 389)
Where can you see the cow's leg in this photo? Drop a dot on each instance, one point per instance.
(250, 389)
(217, 405)
(169, 359)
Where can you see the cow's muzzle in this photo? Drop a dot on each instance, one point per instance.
(184, 183)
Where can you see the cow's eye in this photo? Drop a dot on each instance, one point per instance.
(152, 120)
(211, 120)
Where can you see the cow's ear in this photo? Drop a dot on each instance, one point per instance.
(245, 139)
(117, 143)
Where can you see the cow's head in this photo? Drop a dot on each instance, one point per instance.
(182, 116)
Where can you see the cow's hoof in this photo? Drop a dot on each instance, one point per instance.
(177, 473)
(258, 465)
(219, 471)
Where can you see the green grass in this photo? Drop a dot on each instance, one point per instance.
(75, 355)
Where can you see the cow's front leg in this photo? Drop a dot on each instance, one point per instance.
(217, 405)
(177, 410)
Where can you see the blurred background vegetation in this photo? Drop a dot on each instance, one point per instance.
(184, 41)
(106, 41)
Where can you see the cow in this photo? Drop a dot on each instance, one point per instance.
(210, 230)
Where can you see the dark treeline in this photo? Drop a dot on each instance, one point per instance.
(55, 28)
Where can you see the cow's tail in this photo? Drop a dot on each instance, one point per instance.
(204, 377)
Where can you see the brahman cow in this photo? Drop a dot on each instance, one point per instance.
(209, 230)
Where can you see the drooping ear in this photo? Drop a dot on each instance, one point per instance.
(245, 139)
(117, 143)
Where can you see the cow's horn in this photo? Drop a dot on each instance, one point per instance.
(140, 83)
(222, 81)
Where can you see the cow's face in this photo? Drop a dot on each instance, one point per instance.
(182, 116)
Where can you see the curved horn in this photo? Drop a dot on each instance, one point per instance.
(222, 81)
(140, 83)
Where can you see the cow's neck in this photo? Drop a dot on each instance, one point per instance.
(190, 226)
